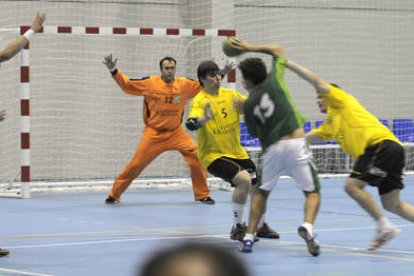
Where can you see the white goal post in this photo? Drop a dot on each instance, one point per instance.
(79, 130)
(22, 188)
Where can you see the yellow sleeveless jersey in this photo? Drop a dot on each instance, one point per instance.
(350, 124)
(221, 135)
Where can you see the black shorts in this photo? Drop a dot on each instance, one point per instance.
(226, 168)
(381, 166)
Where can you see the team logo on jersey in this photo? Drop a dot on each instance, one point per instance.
(377, 172)
(177, 100)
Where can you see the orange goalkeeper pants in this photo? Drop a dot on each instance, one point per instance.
(152, 144)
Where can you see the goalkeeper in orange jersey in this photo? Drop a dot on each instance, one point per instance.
(165, 98)
(215, 115)
(10, 51)
(379, 155)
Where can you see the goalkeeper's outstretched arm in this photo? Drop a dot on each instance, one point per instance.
(14, 47)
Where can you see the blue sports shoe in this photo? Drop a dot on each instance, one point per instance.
(246, 246)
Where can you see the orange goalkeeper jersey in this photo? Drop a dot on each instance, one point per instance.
(164, 102)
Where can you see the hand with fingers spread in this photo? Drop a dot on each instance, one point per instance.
(110, 63)
(38, 21)
(241, 44)
(230, 65)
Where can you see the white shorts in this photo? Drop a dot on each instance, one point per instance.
(289, 157)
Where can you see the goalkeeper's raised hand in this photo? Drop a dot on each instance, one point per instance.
(110, 63)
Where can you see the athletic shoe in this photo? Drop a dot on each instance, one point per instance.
(237, 232)
(207, 200)
(4, 252)
(111, 200)
(382, 236)
(246, 246)
(266, 232)
(311, 242)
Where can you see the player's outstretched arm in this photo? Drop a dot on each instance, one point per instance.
(320, 85)
(13, 48)
(244, 46)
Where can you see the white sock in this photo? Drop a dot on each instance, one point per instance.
(248, 237)
(308, 226)
(384, 222)
(261, 221)
(238, 213)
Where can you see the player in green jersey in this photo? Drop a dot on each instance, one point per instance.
(271, 115)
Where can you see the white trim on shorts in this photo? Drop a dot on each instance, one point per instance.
(292, 158)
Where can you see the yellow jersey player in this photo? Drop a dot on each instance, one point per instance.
(379, 155)
(214, 113)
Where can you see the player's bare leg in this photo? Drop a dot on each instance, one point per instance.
(385, 230)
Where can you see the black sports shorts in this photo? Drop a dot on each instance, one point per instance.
(381, 166)
(226, 168)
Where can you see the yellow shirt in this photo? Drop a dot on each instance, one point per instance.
(221, 135)
(350, 124)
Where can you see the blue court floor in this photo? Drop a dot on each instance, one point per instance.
(77, 234)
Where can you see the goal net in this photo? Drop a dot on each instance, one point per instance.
(84, 129)
(366, 47)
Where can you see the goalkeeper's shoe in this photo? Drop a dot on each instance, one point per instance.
(207, 200)
(111, 200)
(4, 252)
(266, 232)
(311, 242)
